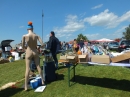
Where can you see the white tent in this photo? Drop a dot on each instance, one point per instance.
(104, 40)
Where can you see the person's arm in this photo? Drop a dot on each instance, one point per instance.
(40, 40)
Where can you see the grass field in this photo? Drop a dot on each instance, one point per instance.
(91, 81)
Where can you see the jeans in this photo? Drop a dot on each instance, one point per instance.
(55, 59)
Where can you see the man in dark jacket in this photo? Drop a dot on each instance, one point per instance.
(52, 46)
(81, 43)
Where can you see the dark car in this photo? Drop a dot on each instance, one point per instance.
(124, 45)
(5, 43)
(112, 46)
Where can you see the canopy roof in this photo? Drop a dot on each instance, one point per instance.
(104, 40)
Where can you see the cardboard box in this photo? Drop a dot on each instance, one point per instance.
(121, 57)
(63, 57)
(72, 58)
(104, 59)
(83, 58)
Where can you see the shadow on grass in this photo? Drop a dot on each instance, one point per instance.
(104, 82)
(62, 67)
(58, 77)
(10, 92)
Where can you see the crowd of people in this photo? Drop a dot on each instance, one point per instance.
(72, 46)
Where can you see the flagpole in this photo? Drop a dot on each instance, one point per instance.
(42, 24)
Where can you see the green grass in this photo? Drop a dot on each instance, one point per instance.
(91, 81)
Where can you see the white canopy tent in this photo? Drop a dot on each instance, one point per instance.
(104, 40)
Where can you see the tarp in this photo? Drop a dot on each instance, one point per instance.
(111, 64)
(104, 40)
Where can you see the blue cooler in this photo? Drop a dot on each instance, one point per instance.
(34, 83)
(39, 81)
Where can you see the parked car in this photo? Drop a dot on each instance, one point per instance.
(112, 46)
(5, 47)
(124, 45)
(5, 43)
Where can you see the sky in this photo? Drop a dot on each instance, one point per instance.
(95, 19)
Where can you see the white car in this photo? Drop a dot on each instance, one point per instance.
(112, 46)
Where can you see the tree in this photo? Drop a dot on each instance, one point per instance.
(126, 34)
(81, 36)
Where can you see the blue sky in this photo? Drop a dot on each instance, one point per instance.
(67, 18)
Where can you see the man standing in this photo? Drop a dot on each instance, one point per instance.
(81, 43)
(52, 46)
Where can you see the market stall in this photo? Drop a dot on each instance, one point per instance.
(92, 56)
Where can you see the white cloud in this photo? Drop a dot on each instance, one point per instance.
(125, 17)
(21, 26)
(69, 34)
(120, 30)
(82, 14)
(93, 36)
(98, 6)
(107, 19)
(119, 33)
(72, 25)
(47, 35)
(46, 38)
(60, 35)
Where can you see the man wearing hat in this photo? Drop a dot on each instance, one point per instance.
(81, 43)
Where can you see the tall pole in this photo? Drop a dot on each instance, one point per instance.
(42, 24)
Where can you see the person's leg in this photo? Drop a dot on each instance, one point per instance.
(55, 59)
(28, 62)
(37, 62)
